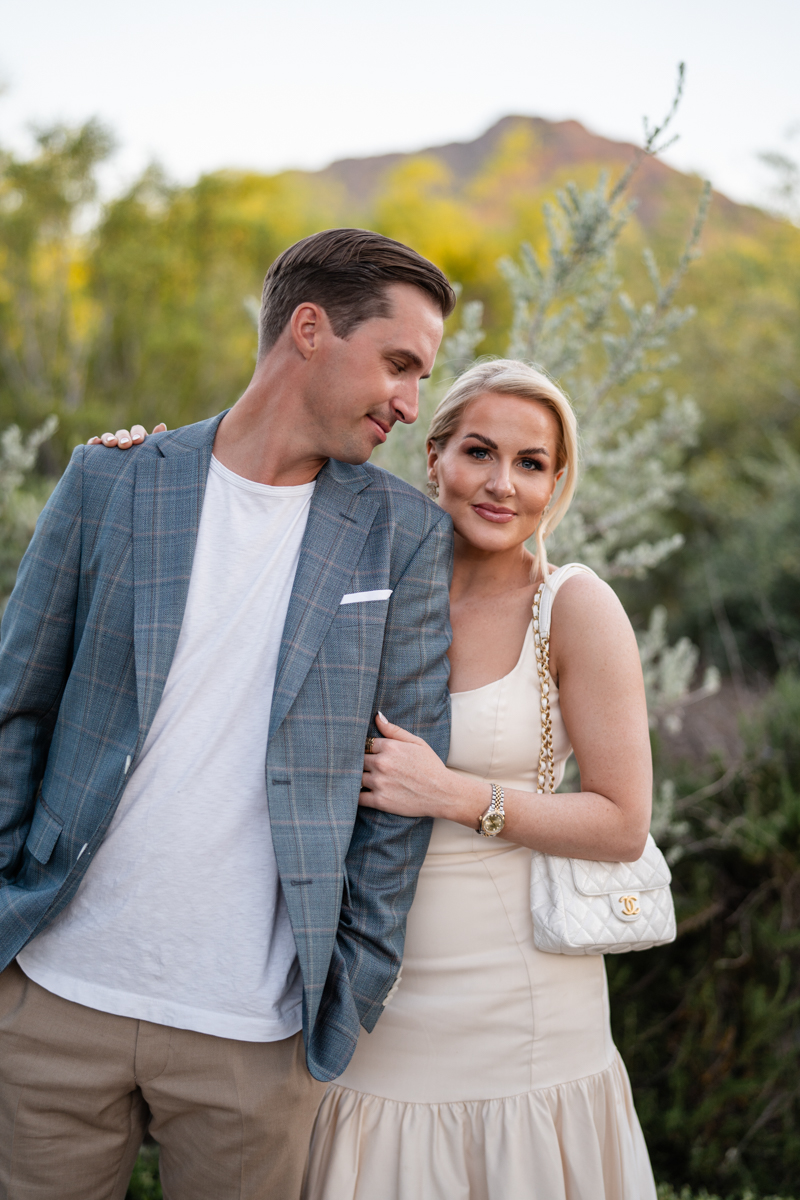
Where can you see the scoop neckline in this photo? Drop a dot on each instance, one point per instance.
(514, 669)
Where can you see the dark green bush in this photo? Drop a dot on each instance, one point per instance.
(145, 1184)
(710, 1026)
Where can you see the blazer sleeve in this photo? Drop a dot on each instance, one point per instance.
(36, 647)
(386, 851)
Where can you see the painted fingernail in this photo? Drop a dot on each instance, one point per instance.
(382, 717)
(124, 441)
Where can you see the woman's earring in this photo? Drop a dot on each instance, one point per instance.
(433, 489)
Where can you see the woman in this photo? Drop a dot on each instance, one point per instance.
(492, 1074)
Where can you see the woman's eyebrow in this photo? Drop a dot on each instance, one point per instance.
(493, 446)
(486, 441)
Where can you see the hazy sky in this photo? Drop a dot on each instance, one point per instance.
(202, 84)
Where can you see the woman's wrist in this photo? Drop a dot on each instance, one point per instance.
(462, 798)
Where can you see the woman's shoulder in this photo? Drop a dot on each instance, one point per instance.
(574, 590)
(586, 614)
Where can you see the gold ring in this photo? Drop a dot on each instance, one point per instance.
(368, 744)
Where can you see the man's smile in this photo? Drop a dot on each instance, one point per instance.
(382, 428)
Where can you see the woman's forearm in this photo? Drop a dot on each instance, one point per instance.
(570, 824)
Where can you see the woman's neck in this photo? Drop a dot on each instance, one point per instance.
(478, 573)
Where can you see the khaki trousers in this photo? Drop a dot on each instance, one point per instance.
(79, 1087)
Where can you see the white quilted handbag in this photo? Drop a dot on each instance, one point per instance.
(579, 906)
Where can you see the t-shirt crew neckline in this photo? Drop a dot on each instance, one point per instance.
(296, 491)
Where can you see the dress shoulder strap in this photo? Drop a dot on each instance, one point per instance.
(549, 590)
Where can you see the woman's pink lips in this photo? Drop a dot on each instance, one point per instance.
(501, 516)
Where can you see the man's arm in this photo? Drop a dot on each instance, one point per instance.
(386, 851)
(36, 643)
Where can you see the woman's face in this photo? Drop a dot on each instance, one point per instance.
(497, 472)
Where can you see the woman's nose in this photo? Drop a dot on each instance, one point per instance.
(500, 483)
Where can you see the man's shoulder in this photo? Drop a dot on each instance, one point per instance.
(403, 498)
(100, 463)
(157, 445)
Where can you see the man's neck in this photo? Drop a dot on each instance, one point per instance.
(258, 438)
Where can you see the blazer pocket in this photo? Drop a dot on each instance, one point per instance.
(366, 597)
(45, 832)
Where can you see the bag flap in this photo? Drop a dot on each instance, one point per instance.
(604, 878)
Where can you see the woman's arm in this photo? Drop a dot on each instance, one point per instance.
(602, 701)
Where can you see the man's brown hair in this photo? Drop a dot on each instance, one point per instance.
(346, 272)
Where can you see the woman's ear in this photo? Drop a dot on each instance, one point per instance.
(433, 458)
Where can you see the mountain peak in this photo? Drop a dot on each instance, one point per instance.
(543, 150)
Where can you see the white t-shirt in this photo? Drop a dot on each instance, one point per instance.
(181, 919)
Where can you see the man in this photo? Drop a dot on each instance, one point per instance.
(199, 638)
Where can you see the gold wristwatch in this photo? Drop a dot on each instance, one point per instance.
(493, 820)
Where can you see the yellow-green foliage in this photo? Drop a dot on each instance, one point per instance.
(146, 312)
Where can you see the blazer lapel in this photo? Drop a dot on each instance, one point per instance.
(339, 520)
(168, 500)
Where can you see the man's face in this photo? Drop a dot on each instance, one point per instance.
(356, 388)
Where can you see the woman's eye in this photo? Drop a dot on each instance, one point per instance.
(531, 464)
(479, 453)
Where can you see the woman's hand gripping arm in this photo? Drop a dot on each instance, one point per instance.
(602, 699)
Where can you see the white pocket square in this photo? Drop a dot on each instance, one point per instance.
(357, 597)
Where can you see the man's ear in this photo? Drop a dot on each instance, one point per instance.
(306, 324)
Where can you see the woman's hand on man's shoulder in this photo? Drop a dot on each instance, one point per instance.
(123, 439)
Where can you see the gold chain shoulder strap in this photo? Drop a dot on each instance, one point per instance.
(541, 641)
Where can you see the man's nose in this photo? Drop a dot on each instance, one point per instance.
(406, 404)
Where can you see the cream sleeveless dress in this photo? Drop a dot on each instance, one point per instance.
(491, 1074)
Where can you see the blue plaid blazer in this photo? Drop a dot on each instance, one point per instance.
(86, 645)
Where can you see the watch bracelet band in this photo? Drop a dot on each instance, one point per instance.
(497, 806)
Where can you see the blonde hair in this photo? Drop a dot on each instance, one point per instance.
(507, 377)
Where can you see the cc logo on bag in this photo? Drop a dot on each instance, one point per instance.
(630, 905)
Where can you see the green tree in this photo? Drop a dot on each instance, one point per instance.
(48, 318)
(572, 315)
(19, 507)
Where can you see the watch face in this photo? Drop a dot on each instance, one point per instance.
(493, 823)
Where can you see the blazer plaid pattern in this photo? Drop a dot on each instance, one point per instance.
(85, 648)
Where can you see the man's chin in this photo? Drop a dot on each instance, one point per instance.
(356, 453)
(355, 457)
